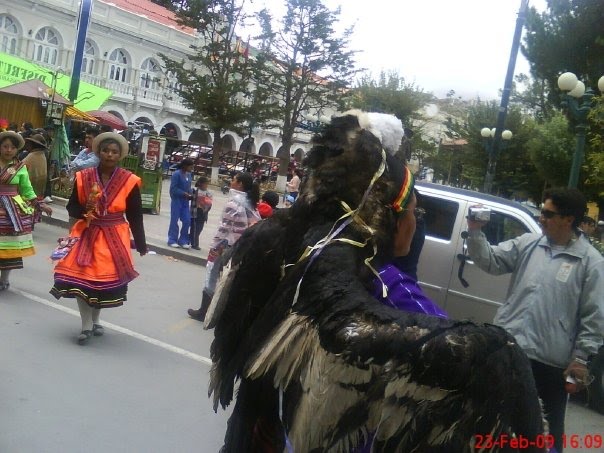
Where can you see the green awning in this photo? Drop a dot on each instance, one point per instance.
(14, 70)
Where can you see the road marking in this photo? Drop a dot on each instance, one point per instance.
(125, 331)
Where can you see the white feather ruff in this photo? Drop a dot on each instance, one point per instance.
(387, 128)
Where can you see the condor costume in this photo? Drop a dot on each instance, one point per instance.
(99, 267)
(321, 364)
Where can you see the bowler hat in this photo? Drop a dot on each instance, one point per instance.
(120, 139)
(38, 139)
(14, 136)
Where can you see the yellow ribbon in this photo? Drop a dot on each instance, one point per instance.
(337, 229)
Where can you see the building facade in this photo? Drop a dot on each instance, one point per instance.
(124, 40)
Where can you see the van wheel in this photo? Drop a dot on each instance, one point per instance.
(595, 393)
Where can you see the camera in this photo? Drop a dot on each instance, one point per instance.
(479, 213)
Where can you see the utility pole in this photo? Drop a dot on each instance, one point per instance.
(83, 22)
(505, 98)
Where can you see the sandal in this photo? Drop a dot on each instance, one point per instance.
(97, 330)
(84, 336)
(4, 286)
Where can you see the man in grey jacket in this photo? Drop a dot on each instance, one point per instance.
(555, 303)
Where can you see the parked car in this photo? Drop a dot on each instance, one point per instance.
(450, 277)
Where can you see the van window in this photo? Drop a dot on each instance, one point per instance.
(439, 217)
(502, 227)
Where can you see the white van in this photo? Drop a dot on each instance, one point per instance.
(451, 279)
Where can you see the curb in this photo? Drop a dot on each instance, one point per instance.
(163, 250)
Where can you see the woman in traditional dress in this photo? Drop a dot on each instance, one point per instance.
(97, 270)
(18, 208)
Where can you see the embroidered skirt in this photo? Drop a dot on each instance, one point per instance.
(16, 227)
(93, 270)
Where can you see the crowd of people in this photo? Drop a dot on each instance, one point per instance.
(553, 312)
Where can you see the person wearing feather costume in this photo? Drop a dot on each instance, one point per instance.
(322, 364)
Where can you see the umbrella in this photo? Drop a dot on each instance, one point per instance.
(109, 119)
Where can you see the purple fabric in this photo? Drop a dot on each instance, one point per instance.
(404, 293)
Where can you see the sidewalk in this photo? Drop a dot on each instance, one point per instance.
(156, 226)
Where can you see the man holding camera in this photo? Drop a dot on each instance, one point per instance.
(554, 305)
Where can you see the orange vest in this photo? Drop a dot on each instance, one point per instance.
(103, 252)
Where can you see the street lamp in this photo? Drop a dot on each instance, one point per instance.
(488, 136)
(577, 100)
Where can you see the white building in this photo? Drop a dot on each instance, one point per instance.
(121, 54)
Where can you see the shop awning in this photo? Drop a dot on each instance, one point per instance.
(74, 113)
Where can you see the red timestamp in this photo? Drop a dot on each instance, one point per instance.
(584, 441)
(542, 441)
(488, 441)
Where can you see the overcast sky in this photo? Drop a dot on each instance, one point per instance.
(441, 45)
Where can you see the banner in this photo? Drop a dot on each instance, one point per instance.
(14, 70)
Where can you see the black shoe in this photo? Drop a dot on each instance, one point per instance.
(97, 330)
(4, 286)
(196, 314)
(200, 315)
(84, 336)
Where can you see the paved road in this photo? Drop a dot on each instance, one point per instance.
(140, 388)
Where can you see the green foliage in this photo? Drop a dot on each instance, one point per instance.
(312, 64)
(551, 148)
(594, 182)
(390, 94)
(465, 166)
(567, 37)
(219, 82)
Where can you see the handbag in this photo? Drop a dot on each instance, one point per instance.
(65, 245)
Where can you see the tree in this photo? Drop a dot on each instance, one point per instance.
(219, 81)
(551, 149)
(568, 36)
(533, 99)
(312, 66)
(390, 94)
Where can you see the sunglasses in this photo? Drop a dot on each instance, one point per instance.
(550, 214)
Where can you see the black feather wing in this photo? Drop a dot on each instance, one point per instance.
(349, 367)
(260, 247)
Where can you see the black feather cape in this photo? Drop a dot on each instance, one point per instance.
(337, 367)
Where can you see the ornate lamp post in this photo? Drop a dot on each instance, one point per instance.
(488, 136)
(577, 100)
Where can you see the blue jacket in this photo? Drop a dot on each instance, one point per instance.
(180, 185)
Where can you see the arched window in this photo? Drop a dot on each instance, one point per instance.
(89, 58)
(46, 46)
(8, 35)
(119, 65)
(150, 74)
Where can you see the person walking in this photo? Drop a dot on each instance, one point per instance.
(180, 194)
(238, 214)
(98, 268)
(20, 208)
(200, 208)
(36, 163)
(554, 304)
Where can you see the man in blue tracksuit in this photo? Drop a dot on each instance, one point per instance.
(180, 193)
